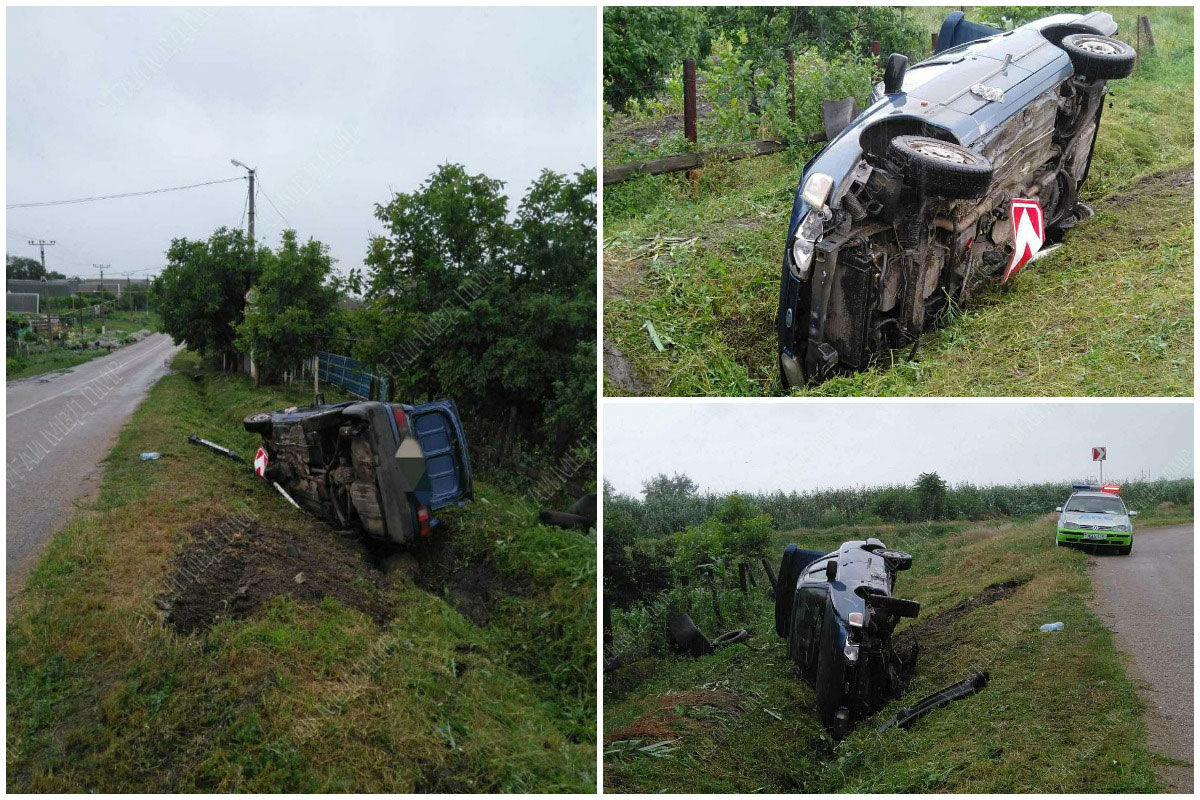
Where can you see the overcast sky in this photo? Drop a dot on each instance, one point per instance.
(801, 446)
(334, 106)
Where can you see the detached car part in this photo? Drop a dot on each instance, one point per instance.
(961, 168)
(905, 717)
(837, 611)
(379, 467)
(582, 514)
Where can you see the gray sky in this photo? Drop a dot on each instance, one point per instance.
(809, 445)
(333, 106)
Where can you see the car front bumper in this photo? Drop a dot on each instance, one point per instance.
(1111, 538)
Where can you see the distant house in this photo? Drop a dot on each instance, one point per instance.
(64, 287)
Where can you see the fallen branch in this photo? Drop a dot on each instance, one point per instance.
(682, 161)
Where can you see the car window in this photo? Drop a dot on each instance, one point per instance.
(1096, 505)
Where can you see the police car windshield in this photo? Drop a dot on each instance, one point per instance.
(1096, 505)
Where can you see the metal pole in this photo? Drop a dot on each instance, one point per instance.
(689, 99)
(933, 40)
(251, 215)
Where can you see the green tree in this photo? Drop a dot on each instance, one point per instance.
(744, 532)
(499, 314)
(29, 269)
(930, 496)
(662, 486)
(201, 291)
(641, 46)
(294, 307)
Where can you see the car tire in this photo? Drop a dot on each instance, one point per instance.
(898, 560)
(259, 422)
(940, 168)
(1099, 57)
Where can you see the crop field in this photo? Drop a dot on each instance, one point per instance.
(189, 631)
(1110, 313)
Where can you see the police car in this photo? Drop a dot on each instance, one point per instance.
(1096, 516)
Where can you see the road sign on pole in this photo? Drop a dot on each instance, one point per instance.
(1100, 454)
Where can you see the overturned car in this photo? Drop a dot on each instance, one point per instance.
(954, 177)
(837, 612)
(382, 468)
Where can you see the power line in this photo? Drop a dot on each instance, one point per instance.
(124, 194)
(272, 202)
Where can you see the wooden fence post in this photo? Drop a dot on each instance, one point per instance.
(689, 99)
(791, 62)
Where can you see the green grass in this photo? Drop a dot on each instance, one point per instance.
(1110, 313)
(61, 358)
(102, 696)
(1060, 714)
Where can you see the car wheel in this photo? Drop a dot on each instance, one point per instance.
(1099, 57)
(896, 559)
(259, 422)
(940, 168)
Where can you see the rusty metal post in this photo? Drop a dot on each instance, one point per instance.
(791, 62)
(933, 41)
(689, 99)
(875, 47)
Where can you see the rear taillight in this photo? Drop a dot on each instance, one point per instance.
(423, 519)
(401, 419)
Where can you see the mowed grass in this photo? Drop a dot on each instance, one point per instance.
(103, 696)
(1059, 714)
(1109, 313)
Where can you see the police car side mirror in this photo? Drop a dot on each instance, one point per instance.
(1058, 509)
(830, 569)
(1133, 513)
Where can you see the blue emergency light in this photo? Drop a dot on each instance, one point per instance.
(1082, 487)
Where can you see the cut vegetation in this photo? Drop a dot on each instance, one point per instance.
(1109, 313)
(190, 631)
(1059, 714)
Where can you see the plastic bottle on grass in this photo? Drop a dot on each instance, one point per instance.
(150, 456)
(1051, 626)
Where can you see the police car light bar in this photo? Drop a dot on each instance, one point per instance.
(1111, 488)
(1083, 487)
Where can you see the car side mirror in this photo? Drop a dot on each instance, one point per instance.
(1058, 509)
(1133, 513)
(831, 569)
(893, 73)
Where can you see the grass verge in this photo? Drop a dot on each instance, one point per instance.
(1059, 715)
(1110, 313)
(296, 695)
(116, 324)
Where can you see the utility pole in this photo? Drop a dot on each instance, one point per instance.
(41, 244)
(250, 206)
(101, 267)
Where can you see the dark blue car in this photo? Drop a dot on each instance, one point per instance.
(961, 168)
(382, 468)
(837, 612)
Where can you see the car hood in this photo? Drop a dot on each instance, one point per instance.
(1074, 518)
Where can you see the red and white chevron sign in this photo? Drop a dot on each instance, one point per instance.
(1029, 232)
(1099, 453)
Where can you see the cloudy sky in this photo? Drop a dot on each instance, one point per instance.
(336, 108)
(800, 446)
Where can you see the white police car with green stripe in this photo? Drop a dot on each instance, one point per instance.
(1096, 516)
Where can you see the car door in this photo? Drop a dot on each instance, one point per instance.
(808, 619)
(448, 467)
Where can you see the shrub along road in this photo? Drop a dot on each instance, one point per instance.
(60, 427)
(1146, 599)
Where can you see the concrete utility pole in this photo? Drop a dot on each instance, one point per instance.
(101, 267)
(41, 244)
(250, 213)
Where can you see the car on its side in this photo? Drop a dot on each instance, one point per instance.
(951, 181)
(1095, 517)
(837, 612)
(382, 468)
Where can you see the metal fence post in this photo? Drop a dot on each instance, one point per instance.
(689, 99)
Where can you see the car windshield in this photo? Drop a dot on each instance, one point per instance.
(1096, 505)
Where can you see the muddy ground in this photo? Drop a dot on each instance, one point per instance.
(229, 568)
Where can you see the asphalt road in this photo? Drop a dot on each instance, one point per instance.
(60, 427)
(1146, 599)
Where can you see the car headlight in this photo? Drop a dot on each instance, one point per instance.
(816, 190)
(1125, 528)
(850, 651)
(807, 236)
